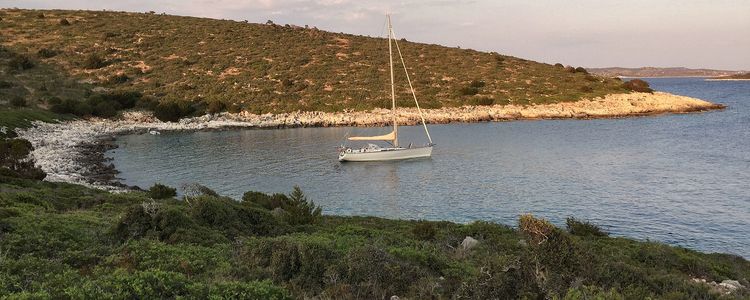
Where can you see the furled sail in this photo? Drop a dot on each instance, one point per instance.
(386, 137)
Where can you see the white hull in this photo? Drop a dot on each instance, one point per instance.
(386, 154)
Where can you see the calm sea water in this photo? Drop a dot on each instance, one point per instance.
(679, 179)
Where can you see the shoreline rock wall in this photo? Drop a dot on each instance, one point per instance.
(73, 151)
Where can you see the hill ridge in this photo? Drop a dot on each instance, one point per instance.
(270, 68)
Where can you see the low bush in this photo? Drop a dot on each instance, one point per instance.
(477, 84)
(118, 79)
(5, 84)
(468, 91)
(637, 85)
(215, 107)
(64, 22)
(47, 53)
(94, 61)
(18, 101)
(53, 101)
(20, 62)
(269, 202)
(481, 101)
(168, 112)
(424, 230)
(581, 70)
(160, 191)
(583, 228)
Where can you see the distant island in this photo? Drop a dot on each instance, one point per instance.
(660, 72)
(742, 76)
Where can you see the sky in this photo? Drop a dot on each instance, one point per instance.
(590, 33)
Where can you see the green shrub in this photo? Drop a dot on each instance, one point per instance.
(481, 101)
(83, 109)
(5, 84)
(18, 101)
(231, 218)
(468, 91)
(47, 53)
(20, 62)
(586, 89)
(118, 79)
(169, 112)
(583, 228)
(160, 191)
(637, 85)
(264, 200)
(373, 273)
(94, 61)
(64, 22)
(106, 109)
(581, 70)
(53, 101)
(215, 107)
(424, 230)
(553, 260)
(477, 84)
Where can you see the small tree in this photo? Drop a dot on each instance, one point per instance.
(299, 210)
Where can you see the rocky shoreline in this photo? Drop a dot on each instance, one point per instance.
(74, 151)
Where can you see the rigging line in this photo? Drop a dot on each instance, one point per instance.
(363, 91)
(421, 115)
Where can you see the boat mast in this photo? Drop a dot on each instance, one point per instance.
(414, 94)
(393, 87)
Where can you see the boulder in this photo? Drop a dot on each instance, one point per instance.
(731, 285)
(468, 243)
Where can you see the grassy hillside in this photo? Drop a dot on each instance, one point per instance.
(65, 241)
(219, 64)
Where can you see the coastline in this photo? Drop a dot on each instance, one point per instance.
(727, 79)
(73, 151)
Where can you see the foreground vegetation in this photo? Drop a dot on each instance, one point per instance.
(67, 241)
(184, 65)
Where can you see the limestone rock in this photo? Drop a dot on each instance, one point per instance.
(468, 243)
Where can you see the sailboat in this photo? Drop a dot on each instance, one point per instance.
(373, 152)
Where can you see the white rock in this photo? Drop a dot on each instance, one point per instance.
(468, 243)
(731, 285)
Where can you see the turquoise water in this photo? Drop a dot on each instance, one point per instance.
(679, 179)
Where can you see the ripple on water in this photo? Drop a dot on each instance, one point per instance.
(679, 179)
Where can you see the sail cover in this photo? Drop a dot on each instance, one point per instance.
(386, 137)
